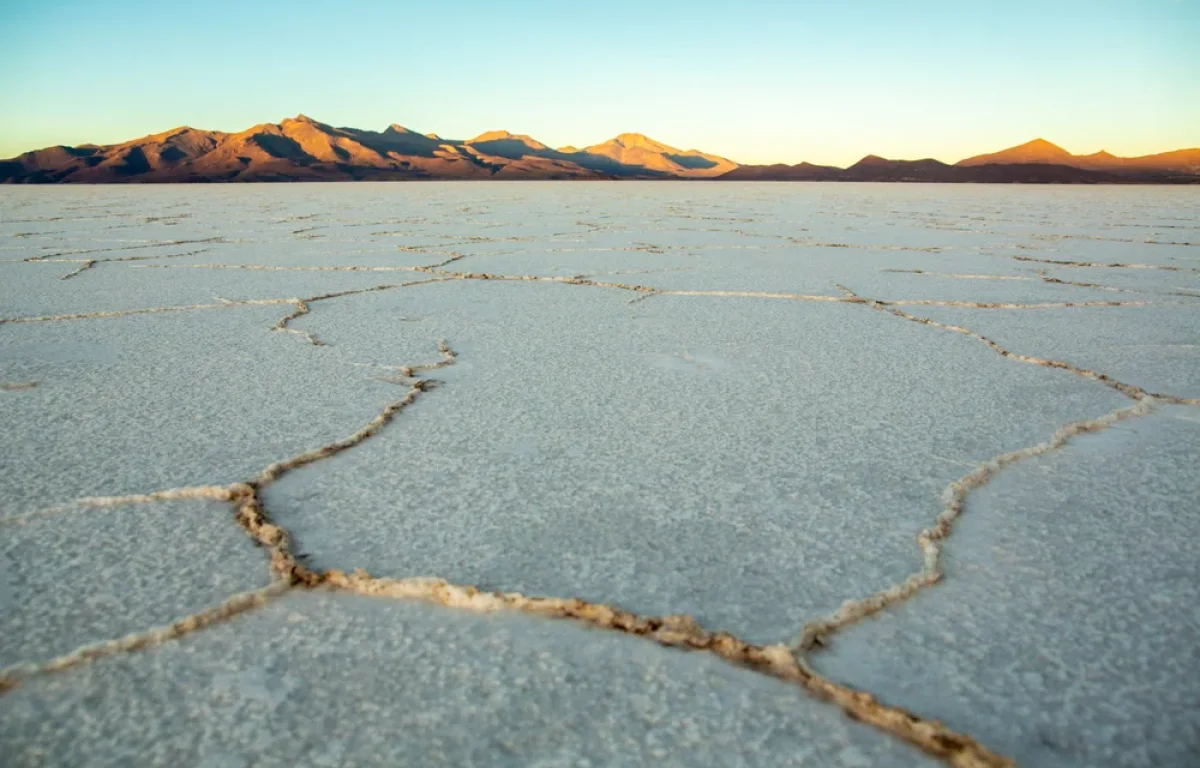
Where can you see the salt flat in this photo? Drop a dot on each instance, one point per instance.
(744, 403)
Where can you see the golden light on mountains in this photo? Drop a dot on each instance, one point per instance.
(303, 149)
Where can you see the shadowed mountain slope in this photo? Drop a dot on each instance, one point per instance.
(643, 152)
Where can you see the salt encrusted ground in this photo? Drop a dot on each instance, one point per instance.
(742, 403)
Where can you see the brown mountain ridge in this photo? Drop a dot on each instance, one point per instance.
(1035, 162)
(303, 149)
(1042, 152)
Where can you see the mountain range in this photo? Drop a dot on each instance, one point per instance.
(303, 149)
(1035, 162)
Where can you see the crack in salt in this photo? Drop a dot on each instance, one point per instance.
(1043, 276)
(957, 275)
(89, 263)
(18, 386)
(225, 304)
(82, 267)
(1104, 265)
(300, 310)
(273, 268)
(187, 493)
(164, 244)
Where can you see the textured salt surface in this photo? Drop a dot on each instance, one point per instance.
(742, 403)
(76, 579)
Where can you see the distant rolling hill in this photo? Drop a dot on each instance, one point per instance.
(873, 168)
(303, 149)
(1042, 152)
(1035, 162)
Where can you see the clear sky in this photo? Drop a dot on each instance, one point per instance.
(756, 81)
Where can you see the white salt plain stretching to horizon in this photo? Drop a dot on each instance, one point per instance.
(936, 443)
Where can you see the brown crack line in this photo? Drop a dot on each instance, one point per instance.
(1041, 275)
(300, 310)
(275, 268)
(1054, 237)
(18, 386)
(86, 265)
(1105, 265)
(957, 275)
(680, 632)
(143, 311)
(166, 244)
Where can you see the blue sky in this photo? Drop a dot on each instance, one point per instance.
(755, 81)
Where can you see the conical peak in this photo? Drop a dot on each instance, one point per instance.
(635, 140)
(1043, 146)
